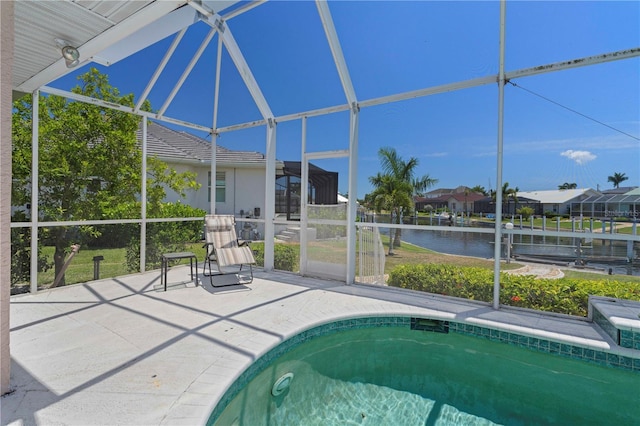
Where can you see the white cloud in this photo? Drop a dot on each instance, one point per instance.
(580, 157)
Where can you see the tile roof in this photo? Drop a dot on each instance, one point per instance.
(168, 144)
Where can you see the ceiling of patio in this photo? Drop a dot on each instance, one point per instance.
(103, 31)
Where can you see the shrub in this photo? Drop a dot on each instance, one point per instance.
(526, 212)
(21, 259)
(285, 257)
(165, 237)
(564, 295)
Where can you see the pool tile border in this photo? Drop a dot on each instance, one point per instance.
(533, 343)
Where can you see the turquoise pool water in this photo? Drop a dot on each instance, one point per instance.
(398, 376)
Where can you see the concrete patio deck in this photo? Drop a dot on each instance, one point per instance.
(119, 351)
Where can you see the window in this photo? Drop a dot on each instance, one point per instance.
(220, 187)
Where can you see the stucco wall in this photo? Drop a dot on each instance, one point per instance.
(244, 189)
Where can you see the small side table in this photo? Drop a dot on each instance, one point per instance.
(164, 265)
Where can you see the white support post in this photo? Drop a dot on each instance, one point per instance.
(350, 94)
(270, 198)
(35, 214)
(213, 171)
(143, 199)
(216, 22)
(214, 134)
(304, 196)
(353, 188)
(498, 224)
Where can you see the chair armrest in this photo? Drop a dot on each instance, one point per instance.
(243, 243)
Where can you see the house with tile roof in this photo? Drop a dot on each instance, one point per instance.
(459, 200)
(239, 181)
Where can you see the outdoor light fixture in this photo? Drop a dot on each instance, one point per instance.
(69, 53)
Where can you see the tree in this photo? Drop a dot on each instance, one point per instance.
(507, 193)
(89, 162)
(526, 212)
(617, 178)
(479, 189)
(396, 185)
(392, 195)
(568, 185)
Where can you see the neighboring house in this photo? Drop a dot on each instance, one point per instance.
(612, 203)
(558, 201)
(460, 199)
(239, 182)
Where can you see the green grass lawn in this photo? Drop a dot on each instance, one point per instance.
(81, 268)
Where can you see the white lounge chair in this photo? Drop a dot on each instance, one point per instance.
(224, 249)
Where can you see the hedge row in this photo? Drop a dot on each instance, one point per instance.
(564, 295)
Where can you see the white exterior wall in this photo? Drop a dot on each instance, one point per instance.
(244, 189)
(249, 186)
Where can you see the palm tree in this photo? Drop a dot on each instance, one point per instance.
(514, 194)
(396, 184)
(392, 195)
(617, 179)
(479, 189)
(506, 192)
(568, 185)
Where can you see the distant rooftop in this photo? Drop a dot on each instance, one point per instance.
(556, 196)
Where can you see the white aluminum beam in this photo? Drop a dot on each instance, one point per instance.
(336, 50)
(229, 41)
(247, 125)
(313, 113)
(574, 63)
(100, 102)
(160, 68)
(449, 87)
(146, 35)
(187, 71)
(216, 93)
(142, 18)
(327, 154)
(242, 9)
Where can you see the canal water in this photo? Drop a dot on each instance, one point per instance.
(598, 254)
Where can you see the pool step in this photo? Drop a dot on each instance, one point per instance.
(619, 318)
(426, 324)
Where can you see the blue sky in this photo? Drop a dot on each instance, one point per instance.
(393, 47)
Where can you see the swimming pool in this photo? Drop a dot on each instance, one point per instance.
(399, 376)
